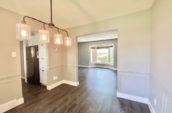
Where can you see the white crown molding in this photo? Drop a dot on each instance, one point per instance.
(11, 104)
(50, 87)
(133, 97)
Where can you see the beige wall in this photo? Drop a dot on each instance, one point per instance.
(10, 69)
(55, 54)
(161, 58)
(133, 51)
(10, 73)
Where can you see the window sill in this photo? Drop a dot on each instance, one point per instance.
(102, 64)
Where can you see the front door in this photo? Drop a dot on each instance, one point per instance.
(32, 58)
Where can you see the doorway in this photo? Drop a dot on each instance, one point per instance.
(32, 62)
(97, 62)
(98, 50)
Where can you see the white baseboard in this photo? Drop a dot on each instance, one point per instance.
(50, 87)
(152, 110)
(137, 99)
(133, 98)
(70, 83)
(11, 104)
(98, 66)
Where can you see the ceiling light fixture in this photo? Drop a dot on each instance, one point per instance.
(58, 39)
(24, 31)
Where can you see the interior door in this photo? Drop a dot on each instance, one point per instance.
(32, 59)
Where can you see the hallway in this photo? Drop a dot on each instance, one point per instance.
(95, 94)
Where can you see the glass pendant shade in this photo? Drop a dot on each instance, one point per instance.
(22, 31)
(43, 36)
(68, 41)
(58, 39)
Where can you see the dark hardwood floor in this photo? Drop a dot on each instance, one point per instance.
(95, 94)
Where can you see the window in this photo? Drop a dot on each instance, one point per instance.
(102, 55)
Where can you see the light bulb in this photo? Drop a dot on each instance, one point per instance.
(58, 40)
(68, 41)
(44, 37)
(23, 33)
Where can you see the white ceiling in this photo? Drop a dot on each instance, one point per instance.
(71, 13)
(98, 36)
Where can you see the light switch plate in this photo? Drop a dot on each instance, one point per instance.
(13, 54)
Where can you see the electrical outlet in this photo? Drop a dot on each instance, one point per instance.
(155, 101)
(55, 77)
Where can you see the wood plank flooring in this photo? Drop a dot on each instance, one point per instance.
(95, 94)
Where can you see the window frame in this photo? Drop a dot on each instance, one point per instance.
(101, 46)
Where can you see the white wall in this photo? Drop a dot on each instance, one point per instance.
(161, 58)
(133, 51)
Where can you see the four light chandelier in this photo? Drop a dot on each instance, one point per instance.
(24, 31)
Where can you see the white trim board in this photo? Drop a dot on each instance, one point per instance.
(107, 35)
(98, 66)
(11, 104)
(133, 98)
(152, 110)
(137, 99)
(50, 87)
(70, 83)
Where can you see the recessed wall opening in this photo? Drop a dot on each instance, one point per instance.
(97, 61)
(34, 65)
(98, 50)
